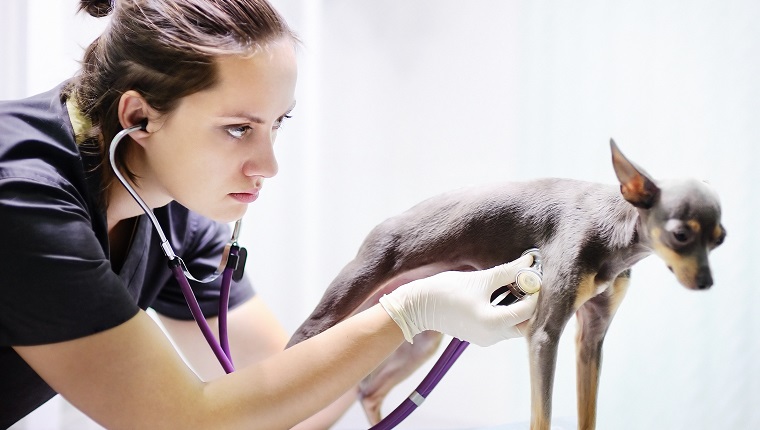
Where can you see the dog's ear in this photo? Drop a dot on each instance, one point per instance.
(635, 184)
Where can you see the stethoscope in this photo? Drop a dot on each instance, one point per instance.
(527, 281)
(230, 267)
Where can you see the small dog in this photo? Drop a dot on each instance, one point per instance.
(589, 235)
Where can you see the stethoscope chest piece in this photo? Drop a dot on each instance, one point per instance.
(528, 281)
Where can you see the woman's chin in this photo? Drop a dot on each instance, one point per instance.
(225, 216)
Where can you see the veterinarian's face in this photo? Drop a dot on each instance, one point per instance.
(213, 152)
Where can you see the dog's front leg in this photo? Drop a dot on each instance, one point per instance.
(546, 328)
(594, 318)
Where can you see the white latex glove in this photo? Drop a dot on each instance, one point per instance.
(458, 304)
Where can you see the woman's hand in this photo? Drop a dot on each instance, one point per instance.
(458, 304)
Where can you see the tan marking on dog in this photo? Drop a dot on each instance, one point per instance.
(587, 289)
(617, 293)
(588, 365)
(685, 268)
(587, 386)
(539, 420)
(587, 377)
(539, 417)
(694, 225)
(717, 232)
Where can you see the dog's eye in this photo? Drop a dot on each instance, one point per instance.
(681, 236)
(681, 232)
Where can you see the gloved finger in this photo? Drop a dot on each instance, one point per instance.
(509, 321)
(506, 273)
(516, 313)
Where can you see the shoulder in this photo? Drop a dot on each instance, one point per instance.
(43, 114)
(42, 175)
(36, 138)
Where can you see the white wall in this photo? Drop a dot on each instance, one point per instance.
(399, 100)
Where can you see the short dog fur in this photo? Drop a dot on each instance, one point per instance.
(589, 235)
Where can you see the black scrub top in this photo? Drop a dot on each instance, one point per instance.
(56, 281)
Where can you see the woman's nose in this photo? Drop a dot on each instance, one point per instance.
(262, 161)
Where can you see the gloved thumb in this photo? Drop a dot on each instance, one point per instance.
(504, 274)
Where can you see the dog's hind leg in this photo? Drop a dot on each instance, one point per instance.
(594, 318)
(396, 368)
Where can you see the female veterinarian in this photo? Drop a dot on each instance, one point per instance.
(198, 90)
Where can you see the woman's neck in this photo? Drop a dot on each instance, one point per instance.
(121, 204)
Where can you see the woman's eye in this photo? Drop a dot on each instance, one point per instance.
(238, 131)
(277, 124)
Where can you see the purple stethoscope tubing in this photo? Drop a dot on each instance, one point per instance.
(434, 376)
(220, 348)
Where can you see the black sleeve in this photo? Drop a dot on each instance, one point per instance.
(56, 283)
(202, 244)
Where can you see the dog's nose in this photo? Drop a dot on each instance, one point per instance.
(704, 280)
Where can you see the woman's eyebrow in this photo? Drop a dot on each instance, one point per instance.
(242, 116)
(253, 118)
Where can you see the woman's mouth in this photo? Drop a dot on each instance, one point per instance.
(249, 197)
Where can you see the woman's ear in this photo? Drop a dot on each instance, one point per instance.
(133, 110)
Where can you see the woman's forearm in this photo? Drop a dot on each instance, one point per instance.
(130, 376)
(285, 389)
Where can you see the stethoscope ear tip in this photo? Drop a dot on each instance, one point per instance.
(144, 124)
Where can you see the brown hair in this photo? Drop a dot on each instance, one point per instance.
(164, 50)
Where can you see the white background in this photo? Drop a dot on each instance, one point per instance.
(399, 100)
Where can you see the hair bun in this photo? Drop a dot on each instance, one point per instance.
(96, 8)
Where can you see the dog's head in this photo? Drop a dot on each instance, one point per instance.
(680, 220)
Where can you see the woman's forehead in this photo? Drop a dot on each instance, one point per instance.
(267, 77)
(273, 60)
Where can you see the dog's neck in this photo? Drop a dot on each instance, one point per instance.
(639, 242)
(623, 230)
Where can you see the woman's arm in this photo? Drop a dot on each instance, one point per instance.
(255, 334)
(131, 376)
